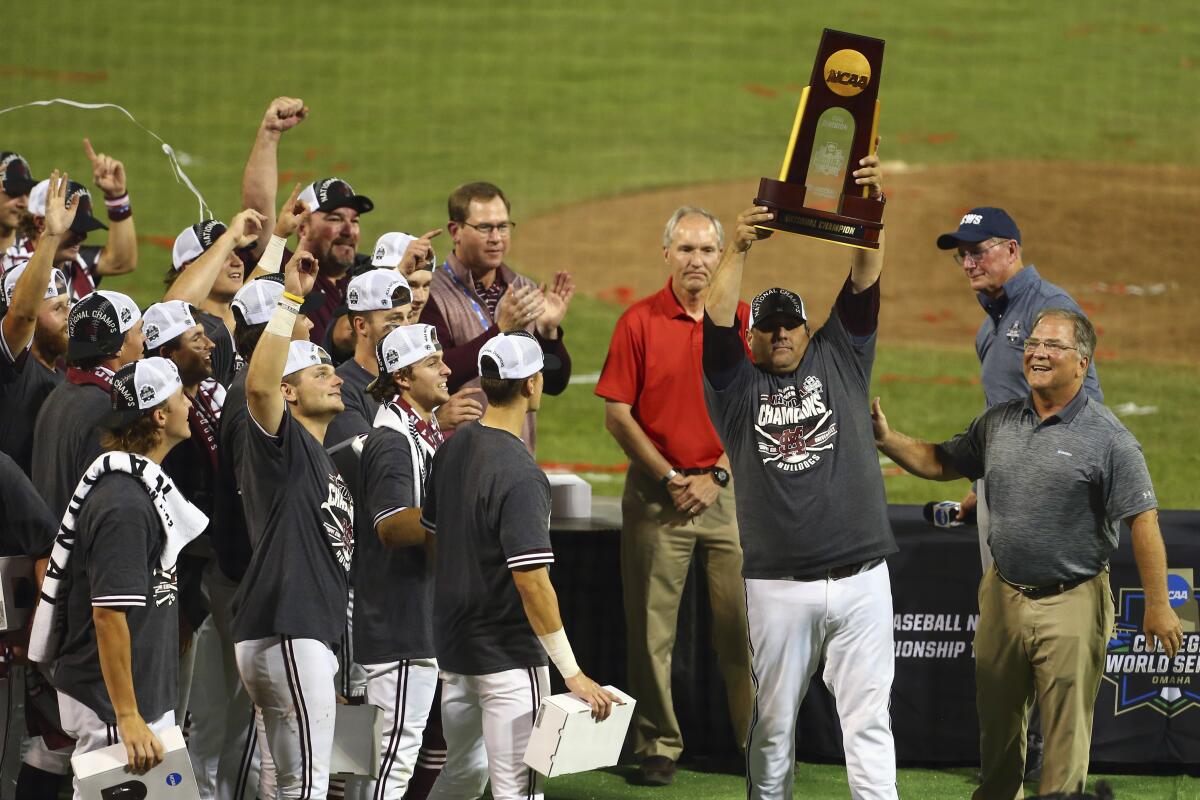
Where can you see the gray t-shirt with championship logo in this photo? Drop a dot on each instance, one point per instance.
(301, 518)
(810, 491)
(115, 565)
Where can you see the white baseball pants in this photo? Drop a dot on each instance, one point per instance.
(487, 720)
(291, 681)
(222, 742)
(793, 625)
(92, 733)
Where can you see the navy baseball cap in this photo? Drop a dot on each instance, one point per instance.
(980, 224)
(777, 303)
(15, 178)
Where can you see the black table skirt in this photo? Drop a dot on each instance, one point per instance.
(1144, 713)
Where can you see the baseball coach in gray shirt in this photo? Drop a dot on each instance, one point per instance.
(1062, 472)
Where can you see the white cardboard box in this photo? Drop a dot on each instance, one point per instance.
(102, 774)
(357, 737)
(570, 496)
(18, 592)
(566, 739)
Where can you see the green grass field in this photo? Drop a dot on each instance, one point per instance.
(561, 102)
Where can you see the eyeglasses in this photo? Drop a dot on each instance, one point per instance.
(1053, 347)
(977, 256)
(505, 229)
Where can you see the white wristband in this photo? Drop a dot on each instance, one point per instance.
(272, 256)
(283, 321)
(559, 650)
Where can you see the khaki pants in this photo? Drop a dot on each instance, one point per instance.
(657, 543)
(1052, 648)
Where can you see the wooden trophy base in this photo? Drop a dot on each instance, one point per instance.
(857, 221)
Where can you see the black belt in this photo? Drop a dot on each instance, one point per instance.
(695, 471)
(838, 573)
(1038, 592)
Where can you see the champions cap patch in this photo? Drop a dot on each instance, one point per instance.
(194, 240)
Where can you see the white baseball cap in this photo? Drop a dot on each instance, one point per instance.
(194, 240)
(162, 322)
(378, 290)
(304, 354)
(258, 298)
(56, 286)
(138, 387)
(77, 193)
(514, 356)
(406, 345)
(389, 251)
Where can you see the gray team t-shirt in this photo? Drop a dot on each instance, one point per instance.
(1057, 488)
(228, 533)
(361, 408)
(393, 586)
(68, 441)
(301, 518)
(27, 528)
(810, 491)
(489, 505)
(24, 386)
(115, 564)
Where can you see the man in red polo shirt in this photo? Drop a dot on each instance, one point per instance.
(678, 493)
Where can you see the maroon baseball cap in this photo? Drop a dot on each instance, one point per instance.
(15, 177)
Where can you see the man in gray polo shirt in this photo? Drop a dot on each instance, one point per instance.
(987, 246)
(1062, 472)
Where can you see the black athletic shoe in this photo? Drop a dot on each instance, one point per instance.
(656, 771)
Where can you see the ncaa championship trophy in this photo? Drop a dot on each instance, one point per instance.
(835, 126)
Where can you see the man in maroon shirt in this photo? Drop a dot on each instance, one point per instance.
(475, 295)
(678, 494)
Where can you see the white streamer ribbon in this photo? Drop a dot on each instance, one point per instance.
(177, 170)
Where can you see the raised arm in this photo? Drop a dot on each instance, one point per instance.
(120, 253)
(261, 175)
(21, 319)
(194, 283)
(1160, 621)
(263, 398)
(726, 287)
(867, 264)
(292, 214)
(919, 458)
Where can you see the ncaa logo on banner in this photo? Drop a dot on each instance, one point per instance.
(1140, 672)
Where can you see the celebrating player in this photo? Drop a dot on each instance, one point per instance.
(795, 423)
(292, 602)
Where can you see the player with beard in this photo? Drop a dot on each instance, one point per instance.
(393, 613)
(85, 266)
(33, 333)
(331, 232)
(291, 607)
(104, 333)
(16, 180)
